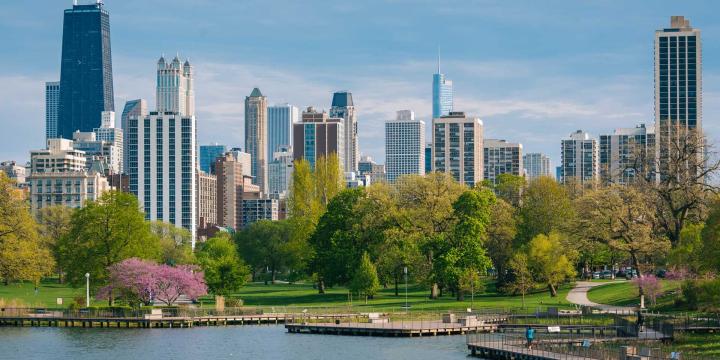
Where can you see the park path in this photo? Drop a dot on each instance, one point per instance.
(578, 295)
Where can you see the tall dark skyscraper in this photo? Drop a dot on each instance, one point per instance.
(86, 81)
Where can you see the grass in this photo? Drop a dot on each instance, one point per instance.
(707, 345)
(626, 294)
(303, 295)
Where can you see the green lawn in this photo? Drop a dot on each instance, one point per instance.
(707, 345)
(626, 294)
(303, 295)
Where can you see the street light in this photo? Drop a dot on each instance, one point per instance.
(406, 298)
(87, 289)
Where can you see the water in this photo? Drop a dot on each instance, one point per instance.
(232, 342)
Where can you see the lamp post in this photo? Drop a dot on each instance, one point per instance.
(406, 293)
(87, 289)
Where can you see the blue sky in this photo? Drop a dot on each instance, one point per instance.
(534, 71)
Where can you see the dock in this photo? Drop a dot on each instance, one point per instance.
(504, 350)
(390, 329)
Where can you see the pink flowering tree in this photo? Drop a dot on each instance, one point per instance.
(648, 285)
(140, 282)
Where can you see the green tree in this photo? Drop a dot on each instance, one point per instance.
(54, 223)
(397, 252)
(522, 279)
(15, 219)
(175, 243)
(711, 239)
(267, 245)
(329, 178)
(501, 234)
(546, 207)
(470, 283)
(225, 272)
(509, 187)
(464, 248)
(550, 261)
(365, 280)
(103, 233)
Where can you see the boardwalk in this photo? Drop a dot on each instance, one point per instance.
(391, 329)
(515, 350)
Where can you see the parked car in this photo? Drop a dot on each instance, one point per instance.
(607, 274)
(620, 273)
(661, 273)
(596, 275)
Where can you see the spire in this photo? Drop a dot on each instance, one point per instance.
(256, 93)
(438, 60)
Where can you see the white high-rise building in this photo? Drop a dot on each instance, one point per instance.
(344, 108)
(280, 171)
(404, 146)
(626, 152)
(501, 157)
(52, 109)
(678, 89)
(162, 166)
(280, 122)
(113, 135)
(579, 159)
(175, 93)
(458, 147)
(256, 136)
(537, 165)
(133, 108)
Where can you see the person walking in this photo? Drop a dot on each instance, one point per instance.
(529, 336)
(640, 321)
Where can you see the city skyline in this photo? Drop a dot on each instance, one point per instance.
(496, 86)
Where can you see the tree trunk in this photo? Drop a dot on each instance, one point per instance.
(396, 285)
(523, 300)
(321, 286)
(636, 264)
(273, 275)
(434, 291)
(460, 295)
(553, 291)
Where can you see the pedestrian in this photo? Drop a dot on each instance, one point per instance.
(640, 321)
(529, 336)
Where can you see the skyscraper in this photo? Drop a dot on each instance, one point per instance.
(344, 108)
(133, 108)
(317, 135)
(428, 158)
(537, 165)
(579, 159)
(208, 154)
(442, 93)
(280, 122)
(175, 91)
(458, 147)
(86, 80)
(678, 88)
(624, 153)
(404, 146)
(280, 171)
(232, 185)
(501, 157)
(256, 136)
(52, 108)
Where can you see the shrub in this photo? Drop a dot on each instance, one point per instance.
(233, 302)
(702, 294)
(649, 285)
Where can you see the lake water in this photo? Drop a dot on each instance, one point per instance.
(232, 342)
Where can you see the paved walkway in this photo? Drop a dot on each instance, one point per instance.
(578, 295)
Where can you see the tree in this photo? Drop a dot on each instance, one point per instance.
(104, 233)
(648, 285)
(54, 223)
(397, 252)
(175, 243)
(464, 248)
(329, 179)
(522, 279)
(365, 280)
(267, 245)
(711, 240)
(15, 219)
(689, 254)
(501, 234)
(546, 207)
(621, 218)
(549, 261)
(224, 271)
(509, 187)
(173, 281)
(470, 283)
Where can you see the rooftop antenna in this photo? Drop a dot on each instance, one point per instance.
(74, 2)
(438, 60)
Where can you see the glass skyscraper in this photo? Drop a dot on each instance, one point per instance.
(208, 155)
(280, 123)
(442, 94)
(86, 81)
(52, 103)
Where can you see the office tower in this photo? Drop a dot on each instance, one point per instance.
(256, 136)
(501, 157)
(14, 172)
(428, 158)
(317, 135)
(52, 109)
(537, 165)
(255, 208)
(678, 89)
(232, 184)
(368, 167)
(624, 153)
(133, 108)
(206, 199)
(162, 166)
(458, 147)
(280, 122)
(579, 159)
(174, 92)
(280, 171)
(86, 80)
(343, 108)
(442, 93)
(101, 156)
(58, 177)
(244, 159)
(404, 146)
(115, 136)
(208, 154)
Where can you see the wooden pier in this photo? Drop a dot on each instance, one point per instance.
(390, 329)
(506, 351)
